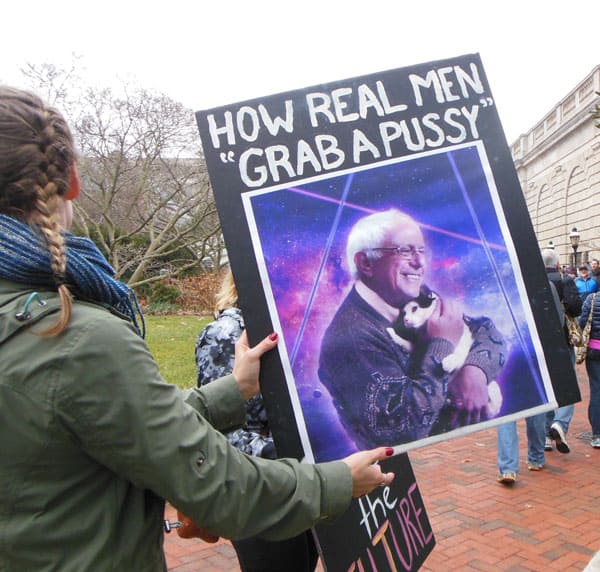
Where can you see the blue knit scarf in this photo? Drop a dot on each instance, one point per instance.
(24, 258)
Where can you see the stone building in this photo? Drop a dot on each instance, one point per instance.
(558, 165)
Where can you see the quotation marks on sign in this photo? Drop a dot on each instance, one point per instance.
(486, 101)
(228, 157)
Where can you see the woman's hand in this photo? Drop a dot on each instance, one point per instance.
(246, 366)
(366, 473)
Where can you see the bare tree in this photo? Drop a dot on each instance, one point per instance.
(53, 84)
(146, 198)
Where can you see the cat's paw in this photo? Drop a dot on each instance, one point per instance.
(494, 398)
(451, 362)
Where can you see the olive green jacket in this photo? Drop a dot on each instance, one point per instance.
(92, 440)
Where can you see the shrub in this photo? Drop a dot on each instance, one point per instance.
(198, 292)
(195, 295)
(164, 293)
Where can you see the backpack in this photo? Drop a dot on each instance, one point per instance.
(569, 306)
(568, 322)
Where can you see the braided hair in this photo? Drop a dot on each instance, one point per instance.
(37, 155)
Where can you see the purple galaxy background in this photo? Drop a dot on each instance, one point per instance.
(302, 233)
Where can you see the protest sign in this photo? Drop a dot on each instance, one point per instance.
(294, 173)
(386, 530)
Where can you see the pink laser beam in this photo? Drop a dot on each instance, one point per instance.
(437, 229)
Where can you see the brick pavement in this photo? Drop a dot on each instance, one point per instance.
(548, 520)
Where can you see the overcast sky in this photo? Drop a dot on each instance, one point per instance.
(210, 53)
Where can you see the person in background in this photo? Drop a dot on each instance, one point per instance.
(586, 285)
(92, 439)
(595, 266)
(544, 427)
(215, 352)
(591, 307)
(215, 358)
(557, 422)
(508, 448)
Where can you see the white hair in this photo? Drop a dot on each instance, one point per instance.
(370, 232)
(550, 258)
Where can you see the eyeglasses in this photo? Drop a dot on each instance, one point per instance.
(406, 252)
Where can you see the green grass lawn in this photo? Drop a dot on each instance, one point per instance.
(171, 340)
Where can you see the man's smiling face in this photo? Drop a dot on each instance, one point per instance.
(397, 278)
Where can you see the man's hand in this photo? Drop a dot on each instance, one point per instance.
(246, 366)
(446, 321)
(469, 396)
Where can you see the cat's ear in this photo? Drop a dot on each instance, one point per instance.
(364, 264)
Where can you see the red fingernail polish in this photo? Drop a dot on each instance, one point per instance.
(273, 336)
(389, 452)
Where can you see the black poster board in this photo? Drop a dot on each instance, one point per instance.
(387, 530)
(292, 173)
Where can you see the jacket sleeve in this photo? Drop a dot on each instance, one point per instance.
(113, 401)
(585, 311)
(488, 351)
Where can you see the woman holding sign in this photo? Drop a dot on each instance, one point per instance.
(92, 438)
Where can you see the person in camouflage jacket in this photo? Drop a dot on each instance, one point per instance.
(215, 349)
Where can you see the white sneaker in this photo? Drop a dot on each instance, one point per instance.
(558, 434)
(595, 442)
(548, 445)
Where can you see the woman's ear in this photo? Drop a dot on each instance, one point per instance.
(74, 184)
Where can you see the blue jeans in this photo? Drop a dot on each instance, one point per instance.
(593, 370)
(564, 414)
(508, 443)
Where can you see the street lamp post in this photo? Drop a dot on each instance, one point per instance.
(574, 238)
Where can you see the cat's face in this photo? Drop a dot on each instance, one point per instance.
(414, 316)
